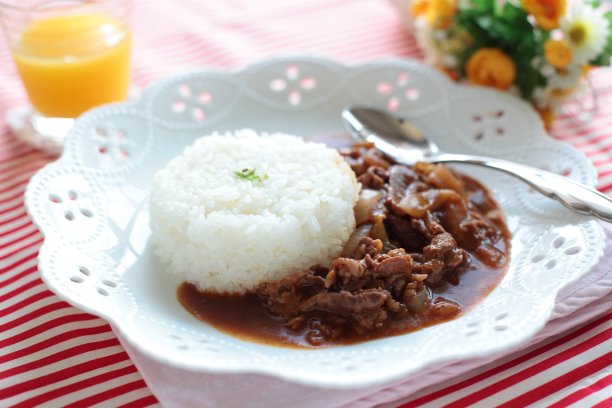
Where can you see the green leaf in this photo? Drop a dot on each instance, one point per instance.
(513, 14)
(506, 33)
(608, 16)
(486, 6)
(527, 78)
(604, 58)
(484, 22)
(478, 34)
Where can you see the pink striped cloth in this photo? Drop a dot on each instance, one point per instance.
(52, 354)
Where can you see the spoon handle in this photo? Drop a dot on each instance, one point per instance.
(570, 193)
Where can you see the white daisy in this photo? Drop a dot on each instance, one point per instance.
(586, 31)
(541, 97)
(547, 70)
(425, 38)
(566, 79)
(449, 61)
(558, 88)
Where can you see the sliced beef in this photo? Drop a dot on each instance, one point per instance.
(346, 273)
(407, 232)
(282, 297)
(444, 247)
(368, 246)
(374, 178)
(399, 265)
(440, 255)
(363, 156)
(414, 226)
(347, 303)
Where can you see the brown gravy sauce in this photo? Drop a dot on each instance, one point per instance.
(245, 317)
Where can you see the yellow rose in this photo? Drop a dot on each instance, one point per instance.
(548, 117)
(419, 7)
(491, 67)
(451, 73)
(561, 94)
(585, 70)
(440, 13)
(558, 53)
(547, 13)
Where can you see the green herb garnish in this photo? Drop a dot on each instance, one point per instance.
(251, 175)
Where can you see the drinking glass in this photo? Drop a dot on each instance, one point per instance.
(71, 55)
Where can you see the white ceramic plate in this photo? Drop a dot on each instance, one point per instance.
(91, 206)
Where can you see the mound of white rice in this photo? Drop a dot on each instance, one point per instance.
(227, 233)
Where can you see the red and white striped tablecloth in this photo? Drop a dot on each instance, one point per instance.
(52, 354)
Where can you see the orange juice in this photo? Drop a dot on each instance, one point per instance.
(71, 63)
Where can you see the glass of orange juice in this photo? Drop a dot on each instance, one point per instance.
(71, 55)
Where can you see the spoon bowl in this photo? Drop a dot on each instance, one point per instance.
(394, 130)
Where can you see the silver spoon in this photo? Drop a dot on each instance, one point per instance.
(404, 143)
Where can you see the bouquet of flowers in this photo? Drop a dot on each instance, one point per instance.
(539, 49)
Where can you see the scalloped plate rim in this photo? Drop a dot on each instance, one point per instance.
(116, 321)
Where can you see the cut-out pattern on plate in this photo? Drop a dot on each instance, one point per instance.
(194, 102)
(70, 205)
(490, 124)
(293, 84)
(102, 285)
(112, 143)
(398, 92)
(288, 85)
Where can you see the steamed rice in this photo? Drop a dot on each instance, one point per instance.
(225, 233)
